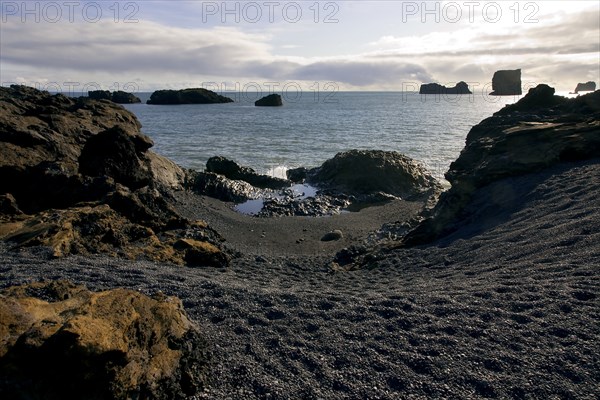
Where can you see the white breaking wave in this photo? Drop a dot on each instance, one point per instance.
(278, 171)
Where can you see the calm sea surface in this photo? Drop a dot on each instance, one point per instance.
(310, 130)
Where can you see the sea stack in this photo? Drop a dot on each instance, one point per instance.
(272, 100)
(435, 88)
(506, 83)
(585, 87)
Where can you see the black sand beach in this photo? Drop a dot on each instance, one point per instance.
(508, 312)
(505, 304)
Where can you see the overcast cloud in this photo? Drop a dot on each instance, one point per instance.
(562, 49)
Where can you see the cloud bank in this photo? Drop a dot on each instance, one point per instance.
(560, 50)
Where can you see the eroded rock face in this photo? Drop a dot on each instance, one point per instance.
(506, 83)
(272, 100)
(42, 137)
(61, 341)
(187, 96)
(118, 154)
(365, 172)
(522, 138)
(78, 177)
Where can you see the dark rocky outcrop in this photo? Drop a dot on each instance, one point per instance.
(100, 95)
(119, 96)
(117, 154)
(78, 178)
(42, 139)
(187, 96)
(231, 170)
(540, 97)
(537, 132)
(297, 175)
(506, 83)
(61, 341)
(585, 87)
(436, 88)
(365, 172)
(219, 187)
(314, 206)
(272, 100)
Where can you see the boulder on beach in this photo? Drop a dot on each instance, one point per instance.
(232, 170)
(365, 172)
(272, 100)
(219, 187)
(119, 96)
(187, 96)
(334, 235)
(297, 175)
(61, 341)
(539, 131)
(506, 83)
(79, 178)
(585, 87)
(436, 88)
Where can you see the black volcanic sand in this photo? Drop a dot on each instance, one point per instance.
(291, 236)
(506, 307)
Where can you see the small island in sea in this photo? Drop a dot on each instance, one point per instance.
(118, 96)
(589, 86)
(187, 96)
(506, 83)
(436, 88)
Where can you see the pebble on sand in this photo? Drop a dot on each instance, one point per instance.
(333, 235)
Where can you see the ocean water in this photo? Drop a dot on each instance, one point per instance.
(305, 132)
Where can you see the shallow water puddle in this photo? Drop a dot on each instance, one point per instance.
(250, 207)
(297, 192)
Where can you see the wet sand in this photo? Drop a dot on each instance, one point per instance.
(292, 236)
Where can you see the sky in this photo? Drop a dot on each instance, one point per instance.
(275, 46)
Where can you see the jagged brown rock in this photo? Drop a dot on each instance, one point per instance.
(537, 132)
(42, 138)
(61, 341)
(118, 154)
(79, 178)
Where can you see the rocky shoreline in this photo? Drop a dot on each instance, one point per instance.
(492, 291)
